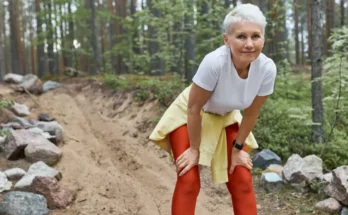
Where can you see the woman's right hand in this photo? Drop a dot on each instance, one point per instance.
(187, 160)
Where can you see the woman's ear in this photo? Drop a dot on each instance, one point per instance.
(225, 39)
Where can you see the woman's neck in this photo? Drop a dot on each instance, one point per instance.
(242, 68)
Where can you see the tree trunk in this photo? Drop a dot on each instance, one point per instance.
(21, 45)
(112, 40)
(157, 64)
(71, 53)
(303, 57)
(190, 63)
(234, 3)
(317, 105)
(297, 44)
(330, 10)
(49, 38)
(7, 48)
(40, 44)
(342, 12)
(309, 27)
(95, 39)
(2, 35)
(15, 37)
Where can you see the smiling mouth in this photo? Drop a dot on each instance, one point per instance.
(248, 52)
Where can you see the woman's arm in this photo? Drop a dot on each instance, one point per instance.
(250, 116)
(197, 98)
(240, 157)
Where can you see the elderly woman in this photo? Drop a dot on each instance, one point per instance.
(204, 125)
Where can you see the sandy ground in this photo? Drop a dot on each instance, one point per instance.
(111, 166)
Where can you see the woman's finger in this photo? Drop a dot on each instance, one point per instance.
(185, 170)
(181, 166)
(180, 161)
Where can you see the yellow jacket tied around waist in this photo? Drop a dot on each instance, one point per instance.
(213, 147)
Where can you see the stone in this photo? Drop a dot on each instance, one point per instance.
(292, 172)
(42, 133)
(42, 150)
(56, 195)
(16, 142)
(276, 168)
(5, 115)
(45, 117)
(20, 109)
(344, 211)
(21, 121)
(31, 83)
(312, 167)
(14, 125)
(5, 184)
(53, 128)
(338, 187)
(264, 158)
(23, 203)
(271, 181)
(329, 205)
(15, 174)
(50, 85)
(12, 78)
(37, 169)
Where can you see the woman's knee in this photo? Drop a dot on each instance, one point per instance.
(189, 183)
(241, 177)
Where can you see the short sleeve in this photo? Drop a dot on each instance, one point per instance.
(267, 86)
(207, 74)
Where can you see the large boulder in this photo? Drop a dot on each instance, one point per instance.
(265, 158)
(16, 142)
(20, 109)
(56, 195)
(23, 203)
(53, 128)
(42, 150)
(13, 78)
(21, 121)
(15, 174)
(36, 169)
(271, 181)
(50, 85)
(299, 170)
(5, 184)
(329, 205)
(338, 188)
(31, 83)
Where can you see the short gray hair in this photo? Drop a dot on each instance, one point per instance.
(245, 13)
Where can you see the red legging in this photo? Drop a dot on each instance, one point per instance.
(187, 186)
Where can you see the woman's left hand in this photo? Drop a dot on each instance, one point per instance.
(240, 157)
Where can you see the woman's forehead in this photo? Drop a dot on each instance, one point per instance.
(246, 27)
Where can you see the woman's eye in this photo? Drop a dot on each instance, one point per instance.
(256, 36)
(241, 37)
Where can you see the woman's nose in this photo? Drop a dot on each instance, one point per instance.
(249, 43)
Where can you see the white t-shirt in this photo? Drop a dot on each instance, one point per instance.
(230, 92)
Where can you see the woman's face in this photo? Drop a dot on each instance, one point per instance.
(245, 41)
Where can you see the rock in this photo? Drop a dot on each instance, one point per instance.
(344, 211)
(264, 158)
(16, 142)
(338, 188)
(13, 78)
(292, 172)
(36, 169)
(43, 150)
(42, 133)
(271, 181)
(327, 177)
(5, 184)
(31, 83)
(300, 187)
(23, 203)
(56, 195)
(21, 121)
(14, 125)
(5, 115)
(329, 205)
(15, 174)
(276, 168)
(53, 128)
(2, 143)
(45, 117)
(312, 167)
(20, 109)
(50, 85)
